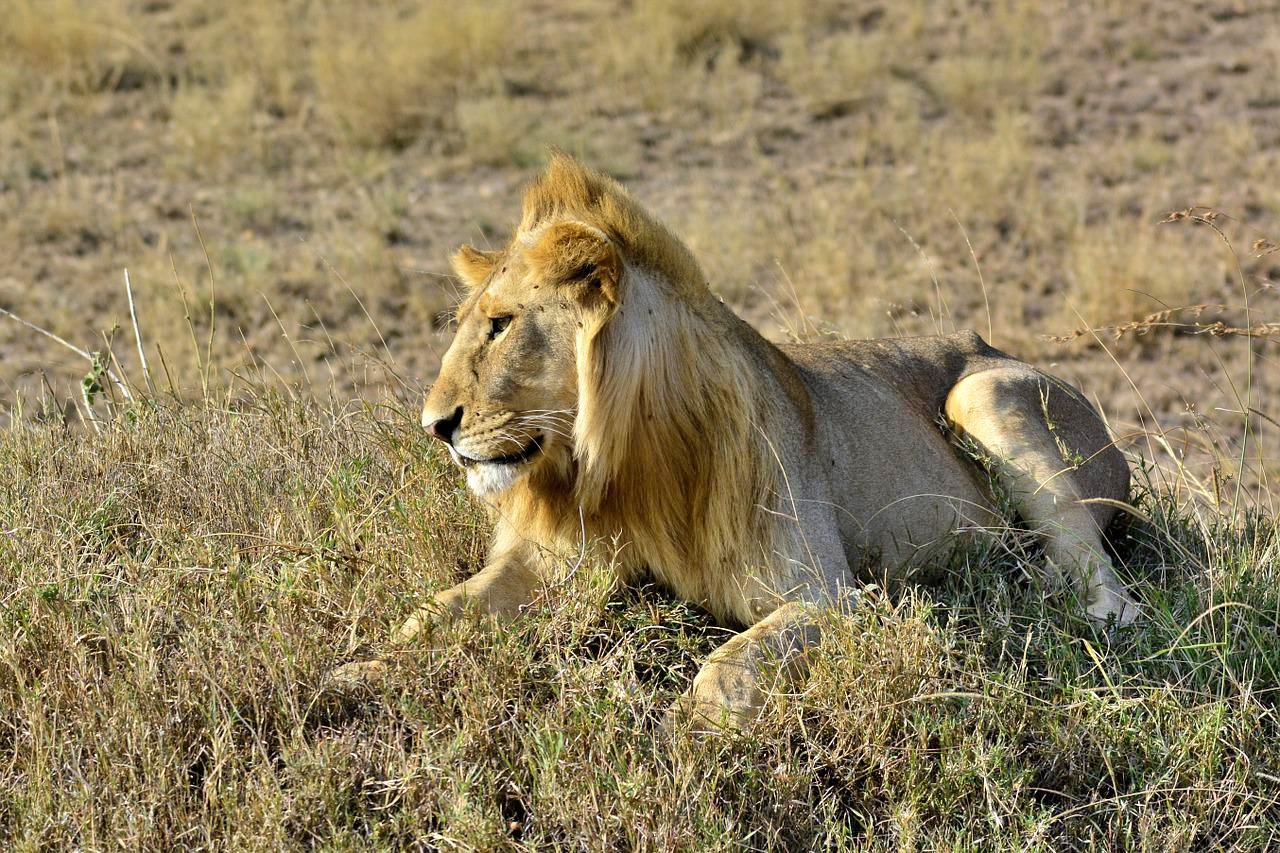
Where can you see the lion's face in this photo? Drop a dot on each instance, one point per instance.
(506, 396)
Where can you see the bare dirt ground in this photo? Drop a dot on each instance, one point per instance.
(833, 165)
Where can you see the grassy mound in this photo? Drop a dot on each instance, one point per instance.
(176, 588)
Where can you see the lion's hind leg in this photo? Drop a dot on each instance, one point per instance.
(1050, 451)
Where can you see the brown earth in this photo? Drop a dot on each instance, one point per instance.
(851, 168)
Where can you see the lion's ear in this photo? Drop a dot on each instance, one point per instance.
(473, 266)
(575, 255)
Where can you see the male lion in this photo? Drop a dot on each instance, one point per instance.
(596, 389)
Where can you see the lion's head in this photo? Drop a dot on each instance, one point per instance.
(507, 393)
(530, 331)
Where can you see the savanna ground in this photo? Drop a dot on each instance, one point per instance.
(283, 181)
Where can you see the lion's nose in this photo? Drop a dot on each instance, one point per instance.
(443, 428)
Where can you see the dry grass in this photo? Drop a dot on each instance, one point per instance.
(284, 181)
(179, 586)
(385, 77)
(1146, 271)
(67, 47)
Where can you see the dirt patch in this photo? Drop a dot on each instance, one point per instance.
(879, 169)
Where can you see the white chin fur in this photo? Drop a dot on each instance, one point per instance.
(486, 479)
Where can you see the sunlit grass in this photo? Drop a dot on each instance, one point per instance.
(180, 585)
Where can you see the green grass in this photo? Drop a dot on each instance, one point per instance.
(176, 589)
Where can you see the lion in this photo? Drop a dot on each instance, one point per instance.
(596, 391)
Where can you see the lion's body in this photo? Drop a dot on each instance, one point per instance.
(854, 431)
(598, 393)
(897, 472)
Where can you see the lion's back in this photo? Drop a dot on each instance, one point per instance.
(901, 486)
(921, 370)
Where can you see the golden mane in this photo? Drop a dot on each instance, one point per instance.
(676, 398)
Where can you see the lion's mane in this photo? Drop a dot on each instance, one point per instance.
(677, 399)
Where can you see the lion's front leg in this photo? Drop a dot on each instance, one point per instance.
(730, 689)
(511, 580)
(498, 590)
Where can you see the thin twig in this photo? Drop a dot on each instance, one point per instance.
(1168, 319)
(88, 356)
(168, 375)
(213, 290)
(89, 414)
(191, 327)
(991, 338)
(137, 334)
(109, 349)
(944, 310)
(285, 334)
(807, 328)
(338, 274)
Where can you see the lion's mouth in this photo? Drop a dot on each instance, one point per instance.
(517, 458)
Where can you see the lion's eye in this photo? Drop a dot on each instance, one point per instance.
(498, 325)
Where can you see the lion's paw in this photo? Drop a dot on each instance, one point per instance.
(364, 675)
(1111, 605)
(724, 698)
(689, 716)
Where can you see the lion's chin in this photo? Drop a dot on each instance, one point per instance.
(487, 478)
